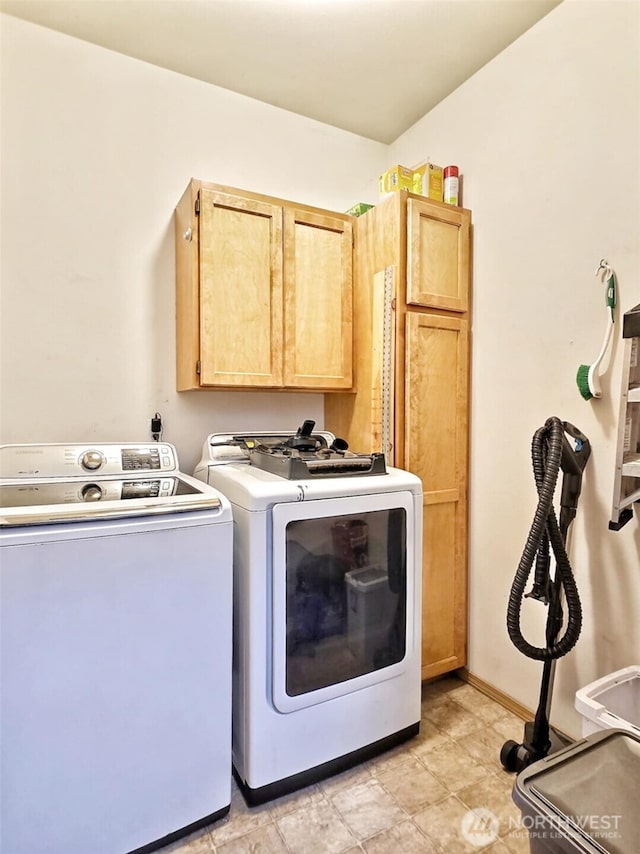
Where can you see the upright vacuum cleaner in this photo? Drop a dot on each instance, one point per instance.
(551, 450)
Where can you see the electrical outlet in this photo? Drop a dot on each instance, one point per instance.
(156, 427)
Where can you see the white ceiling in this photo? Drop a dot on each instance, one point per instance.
(373, 67)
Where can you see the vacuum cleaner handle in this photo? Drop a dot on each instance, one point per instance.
(573, 462)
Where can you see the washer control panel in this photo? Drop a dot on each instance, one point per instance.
(59, 460)
(35, 494)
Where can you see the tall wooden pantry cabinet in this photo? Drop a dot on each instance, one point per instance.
(411, 327)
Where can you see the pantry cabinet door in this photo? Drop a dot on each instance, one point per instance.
(240, 291)
(435, 441)
(437, 255)
(318, 300)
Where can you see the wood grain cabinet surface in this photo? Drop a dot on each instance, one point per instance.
(263, 292)
(412, 290)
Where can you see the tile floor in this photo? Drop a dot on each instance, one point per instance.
(411, 800)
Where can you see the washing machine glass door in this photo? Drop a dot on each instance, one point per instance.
(341, 583)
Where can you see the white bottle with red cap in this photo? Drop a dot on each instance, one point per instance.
(451, 185)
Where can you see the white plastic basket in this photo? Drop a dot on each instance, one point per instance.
(370, 610)
(612, 702)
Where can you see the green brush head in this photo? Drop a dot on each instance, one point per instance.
(611, 295)
(582, 379)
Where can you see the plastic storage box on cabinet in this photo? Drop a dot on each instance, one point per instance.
(584, 798)
(612, 702)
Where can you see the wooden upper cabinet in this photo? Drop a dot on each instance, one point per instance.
(318, 325)
(240, 291)
(437, 255)
(263, 292)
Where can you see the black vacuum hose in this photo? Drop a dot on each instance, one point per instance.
(546, 454)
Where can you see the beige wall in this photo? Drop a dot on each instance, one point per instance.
(96, 150)
(548, 138)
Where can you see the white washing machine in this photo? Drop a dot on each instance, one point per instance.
(327, 602)
(116, 603)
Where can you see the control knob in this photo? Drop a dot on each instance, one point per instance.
(91, 492)
(91, 460)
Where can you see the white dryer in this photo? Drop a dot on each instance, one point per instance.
(327, 599)
(116, 603)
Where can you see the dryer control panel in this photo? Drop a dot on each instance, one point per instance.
(60, 460)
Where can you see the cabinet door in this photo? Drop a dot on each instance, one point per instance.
(435, 441)
(240, 291)
(318, 297)
(437, 255)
